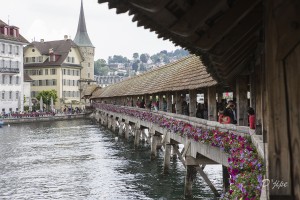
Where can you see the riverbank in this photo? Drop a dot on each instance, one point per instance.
(56, 117)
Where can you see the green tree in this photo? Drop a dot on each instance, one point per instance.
(101, 68)
(135, 65)
(46, 96)
(144, 57)
(135, 55)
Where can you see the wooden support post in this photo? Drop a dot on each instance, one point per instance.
(137, 135)
(108, 122)
(212, 110)
(167, 158)
(206, 179)
(159, 142)
(114, 123)
(154, 147)
(127, 130)
(178, 101)
(220, 97)
(173, 152)
(161, 102)
(193, 103)
(226, 184)
(190, 176)
(121, 127)
(242, 102)
(175, 148)
(169, 102)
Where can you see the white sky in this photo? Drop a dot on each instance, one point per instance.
(110, 33)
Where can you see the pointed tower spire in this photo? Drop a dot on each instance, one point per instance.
(82, 37)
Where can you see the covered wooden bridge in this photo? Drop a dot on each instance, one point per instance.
(170, 85)
(245, 46)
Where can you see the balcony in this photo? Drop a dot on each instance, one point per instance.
(8, 70)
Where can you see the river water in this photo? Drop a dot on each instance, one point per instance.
(79, 160)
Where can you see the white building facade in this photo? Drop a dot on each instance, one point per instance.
(11, 69)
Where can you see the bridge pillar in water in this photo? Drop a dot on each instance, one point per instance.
(108, 122)
(121, 125)
(154, 142)
(127, 129)
(167, 158)
(193, 103)
(212, 106)
(242, 101)
(137, 135)
(191, 173)
(226, 184)
(114, 124)
(173, 151)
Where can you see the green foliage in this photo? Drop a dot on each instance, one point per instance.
(117, 59)
(135, 55)
(101, 68)
(144, 57)
(135, 65)
(46, 96)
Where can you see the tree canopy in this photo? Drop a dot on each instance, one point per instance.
(46, 96)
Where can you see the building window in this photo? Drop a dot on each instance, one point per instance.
(33, 50)
(17, 64)
(54, 81)
(17, 50)
(40, 58)
(64, 82)
(10, 80)
(3, 95)
(26, 60)
(47, 82)
(88, 75)
(17, 80)
(17, 95)
(77, 72)
(33, 59)
(68, 71)
(10, 49)
(10, 95)
(3, 48)
(64, 71)
(3, 79)
(73, 60)
(40, 83)
(53, 71)
(40, 72)
(46, 71)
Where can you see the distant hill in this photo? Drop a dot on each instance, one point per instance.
(121, 65)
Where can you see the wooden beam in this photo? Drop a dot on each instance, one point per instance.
(179, 155)
(189, 160)
(206, 179)
(230, 19)
(239, 34)
(196, 17)
(150, 6)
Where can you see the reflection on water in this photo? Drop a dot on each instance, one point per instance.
(79, 160)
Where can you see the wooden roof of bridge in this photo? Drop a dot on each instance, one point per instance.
(225, 34)
(185, 74)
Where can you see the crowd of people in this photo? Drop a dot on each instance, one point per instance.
(226, 110)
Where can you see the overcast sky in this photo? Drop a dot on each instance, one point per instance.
(110, 33)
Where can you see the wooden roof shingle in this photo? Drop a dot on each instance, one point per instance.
(185, 74)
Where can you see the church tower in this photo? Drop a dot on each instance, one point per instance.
(87, 49)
